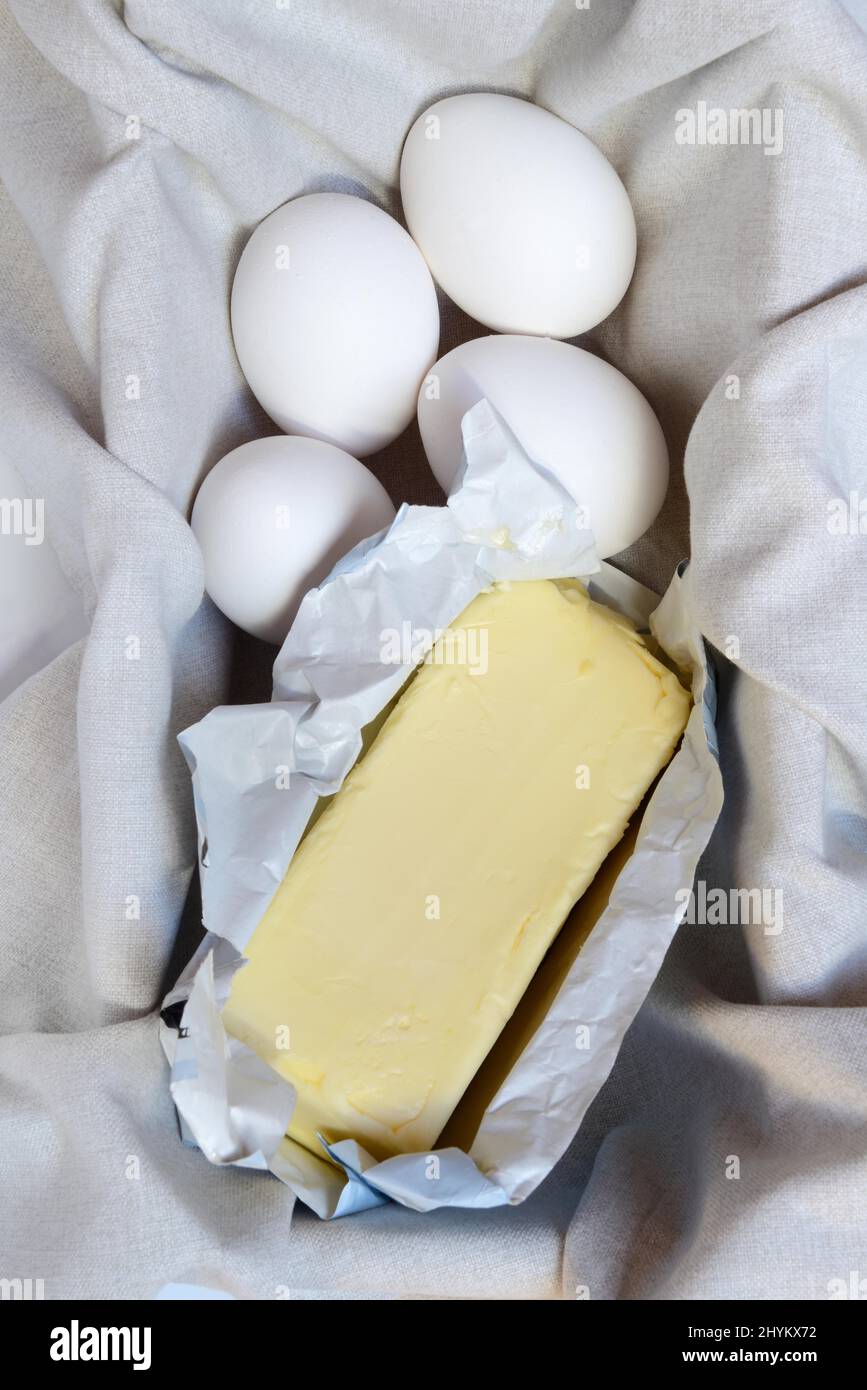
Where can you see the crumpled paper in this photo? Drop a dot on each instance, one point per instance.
(508, 519)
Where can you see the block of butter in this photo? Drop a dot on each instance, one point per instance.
(419, 905)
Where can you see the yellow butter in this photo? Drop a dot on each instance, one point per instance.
(419, 905)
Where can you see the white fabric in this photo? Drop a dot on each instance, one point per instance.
(139, 143)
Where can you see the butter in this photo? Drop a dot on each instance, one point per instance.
(419, 905)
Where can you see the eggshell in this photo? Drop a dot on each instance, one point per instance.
(273, 517)
(335, 320)
(522, 220)
(573, 413)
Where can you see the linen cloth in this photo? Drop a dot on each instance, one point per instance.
(140, 142)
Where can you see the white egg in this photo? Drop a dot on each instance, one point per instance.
(573, 413)
(273, 517)
(335, 320)
(521, 218)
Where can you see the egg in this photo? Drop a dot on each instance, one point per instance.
(335, 320)
(522, 220)
(273, 517)
(573, 413)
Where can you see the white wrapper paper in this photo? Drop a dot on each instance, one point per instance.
(508, 520)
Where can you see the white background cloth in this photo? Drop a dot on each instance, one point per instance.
(139, 144)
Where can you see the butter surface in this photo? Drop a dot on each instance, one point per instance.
(418, 907)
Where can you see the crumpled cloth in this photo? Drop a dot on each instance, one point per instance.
(139, 144)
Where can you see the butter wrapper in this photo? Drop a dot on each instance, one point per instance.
(508, 519)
